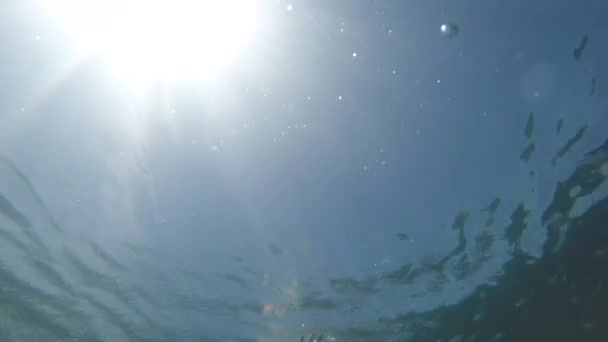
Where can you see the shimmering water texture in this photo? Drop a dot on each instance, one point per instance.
(578, 54)
(55, 288)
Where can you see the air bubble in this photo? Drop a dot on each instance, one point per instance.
(449, 30)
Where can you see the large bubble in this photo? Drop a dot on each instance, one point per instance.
(449, 30)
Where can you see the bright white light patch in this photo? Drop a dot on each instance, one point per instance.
(150, 40)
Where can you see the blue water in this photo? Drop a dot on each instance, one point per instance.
(311, 190)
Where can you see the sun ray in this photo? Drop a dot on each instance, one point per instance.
(145, 41)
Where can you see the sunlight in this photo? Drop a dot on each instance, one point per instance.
(145, 41)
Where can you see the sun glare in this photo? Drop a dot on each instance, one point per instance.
(146, 41)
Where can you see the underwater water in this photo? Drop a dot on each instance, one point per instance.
(366, 170)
